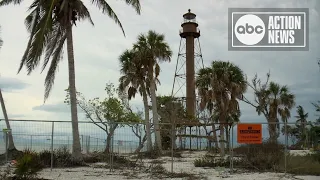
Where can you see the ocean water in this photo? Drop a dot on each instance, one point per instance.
(38, 144)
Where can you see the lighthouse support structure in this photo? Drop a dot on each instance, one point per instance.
(189, 61)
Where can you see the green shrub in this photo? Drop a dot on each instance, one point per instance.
(28, 165)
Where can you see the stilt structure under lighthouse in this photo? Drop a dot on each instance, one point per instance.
(189, 61)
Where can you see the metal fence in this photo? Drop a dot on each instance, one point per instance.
(39, 135)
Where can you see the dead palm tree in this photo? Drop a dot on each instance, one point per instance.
(226, 85)
(50, 24)
(152, 50)
(134, 80)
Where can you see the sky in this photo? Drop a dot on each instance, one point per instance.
(98, 47)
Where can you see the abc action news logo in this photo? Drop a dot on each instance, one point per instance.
(268, 29)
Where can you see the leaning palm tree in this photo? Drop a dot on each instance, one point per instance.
(11, 146)
(134, 80)
(152, 50)
(226, 85)
(280, 101)
(50, 25)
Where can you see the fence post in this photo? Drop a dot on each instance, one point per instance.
(82, 143)
(31, 142)
(111, 148)
(286, 147)
(6, 137)
(231, 155)
(52, 145)
(172, 144)
(68, 143)
(88, 147)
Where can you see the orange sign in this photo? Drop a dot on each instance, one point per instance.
(249, 133)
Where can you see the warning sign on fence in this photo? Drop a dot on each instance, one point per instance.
(249, 133)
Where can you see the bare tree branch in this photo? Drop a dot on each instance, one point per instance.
(90, 117)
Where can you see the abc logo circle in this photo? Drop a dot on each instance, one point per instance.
(249, 29)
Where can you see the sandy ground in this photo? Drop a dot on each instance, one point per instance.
(184, 164)
(101, 171)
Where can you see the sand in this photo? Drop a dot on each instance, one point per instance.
(184, 164)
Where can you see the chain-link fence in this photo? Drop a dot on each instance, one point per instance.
(193, 142)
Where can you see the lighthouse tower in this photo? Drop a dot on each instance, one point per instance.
(188, 62)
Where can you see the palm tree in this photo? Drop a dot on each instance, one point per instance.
(203, 84)
(11, 146)
(302, 122)
(152, 50)
(280, 102)
(231, 120)
(134, 80)
(50, 24)
(290, 131)
(226, 85)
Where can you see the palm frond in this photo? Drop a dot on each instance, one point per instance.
(135, 4)
(38, 37)
(38, 43)
(31, 23)
(106, 9)
(7, 2)
(83, 12)
(55, 59)
(54, 41)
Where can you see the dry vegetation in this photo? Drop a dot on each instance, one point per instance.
(268, 157)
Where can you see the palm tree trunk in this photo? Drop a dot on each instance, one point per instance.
(76, 147)
(6, 119)
(155, 118)
(147, 120)
(214, 132)
(272, 133)
(227, 136)
(222, 145)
